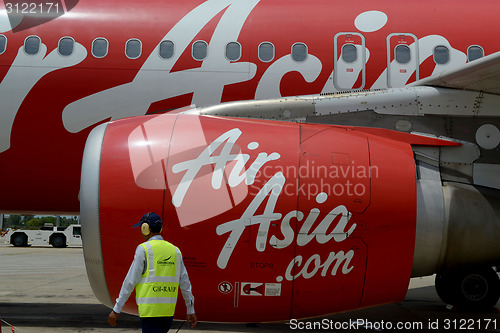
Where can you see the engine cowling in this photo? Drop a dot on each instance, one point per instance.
(275, 220)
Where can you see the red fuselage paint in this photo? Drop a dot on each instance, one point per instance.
(49, 102)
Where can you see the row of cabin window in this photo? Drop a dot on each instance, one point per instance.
(233, 51)
(402, 54)
(133, 50)
(441, 54)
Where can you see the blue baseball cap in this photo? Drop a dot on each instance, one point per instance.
(154, 221)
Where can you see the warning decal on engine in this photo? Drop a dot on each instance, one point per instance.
(273, 289)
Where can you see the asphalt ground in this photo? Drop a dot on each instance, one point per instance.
(45, 290)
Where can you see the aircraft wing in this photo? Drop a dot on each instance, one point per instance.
(480, 75)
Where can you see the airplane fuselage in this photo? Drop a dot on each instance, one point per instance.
(102, 61)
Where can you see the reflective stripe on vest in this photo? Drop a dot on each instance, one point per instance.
(157, 290)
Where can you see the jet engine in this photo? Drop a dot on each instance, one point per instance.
(279, 220)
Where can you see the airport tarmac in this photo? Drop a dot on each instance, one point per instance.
(43, 289)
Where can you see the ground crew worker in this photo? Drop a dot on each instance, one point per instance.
(157, 273)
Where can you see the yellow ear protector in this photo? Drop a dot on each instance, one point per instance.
(145, 229)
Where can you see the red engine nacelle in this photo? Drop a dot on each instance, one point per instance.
(275, 220)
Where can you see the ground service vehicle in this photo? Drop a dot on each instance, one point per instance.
(55, 236)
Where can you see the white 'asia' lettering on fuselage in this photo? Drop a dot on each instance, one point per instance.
(271, 190)
(29, 69)
(216, 72)
(206, 82)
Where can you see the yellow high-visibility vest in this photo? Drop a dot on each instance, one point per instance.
(157, 290)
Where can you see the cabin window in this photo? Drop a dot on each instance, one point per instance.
(441, 55)
(475, 52)
(200, 50)
(100, 47)
(349, 53)
(3, 44)
(66, 46)
(167, 49)
(402, 53)
(233, 51)
(266, 52)
(133, 48)
(299, 52)
(32, 45)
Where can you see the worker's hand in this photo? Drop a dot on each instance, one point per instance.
(113, 316)
(191, 320)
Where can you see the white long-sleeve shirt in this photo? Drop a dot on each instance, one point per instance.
(135, 272)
